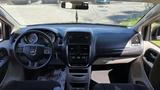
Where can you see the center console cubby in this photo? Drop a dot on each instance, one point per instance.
(78, 78)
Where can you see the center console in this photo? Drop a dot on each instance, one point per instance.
(78, 49)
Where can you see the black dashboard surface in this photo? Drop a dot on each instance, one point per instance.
(107, 41)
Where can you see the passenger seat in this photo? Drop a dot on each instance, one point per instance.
(119, 87)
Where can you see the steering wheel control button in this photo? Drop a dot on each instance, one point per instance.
(83, 57)
(47, 50)
(78, 57)
(73, 57)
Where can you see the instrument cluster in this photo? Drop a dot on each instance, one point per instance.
(34, 38)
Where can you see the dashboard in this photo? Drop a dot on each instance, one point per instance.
(80, 45)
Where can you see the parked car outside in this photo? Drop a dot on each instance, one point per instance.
(103, 1)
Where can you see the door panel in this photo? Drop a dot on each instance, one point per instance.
(141, 68)
(150, 56)
(4, 58)
(4, 46)
(151, 47)
(3, 68)
(7, 25)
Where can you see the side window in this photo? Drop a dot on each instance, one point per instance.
(155, 33)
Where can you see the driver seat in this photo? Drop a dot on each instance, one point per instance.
(119, 87)
(32, 85)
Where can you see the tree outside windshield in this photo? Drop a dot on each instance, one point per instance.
(27, 12)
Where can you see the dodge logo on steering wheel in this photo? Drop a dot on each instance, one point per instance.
(33, 51)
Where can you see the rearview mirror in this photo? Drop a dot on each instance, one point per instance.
(75, 5)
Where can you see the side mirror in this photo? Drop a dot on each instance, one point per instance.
(75, 5)
(158, 37)
(156, 33)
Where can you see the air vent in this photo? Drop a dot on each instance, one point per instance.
(136, 41)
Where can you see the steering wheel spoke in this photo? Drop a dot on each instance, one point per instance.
(47, 50)
(20, 48)
(32, 64)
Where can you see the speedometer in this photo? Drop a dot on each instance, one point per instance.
(52, 36)
(32, 38)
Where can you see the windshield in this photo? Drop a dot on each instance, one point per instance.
(29, 12)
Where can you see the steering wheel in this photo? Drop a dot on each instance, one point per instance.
(33, 55)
